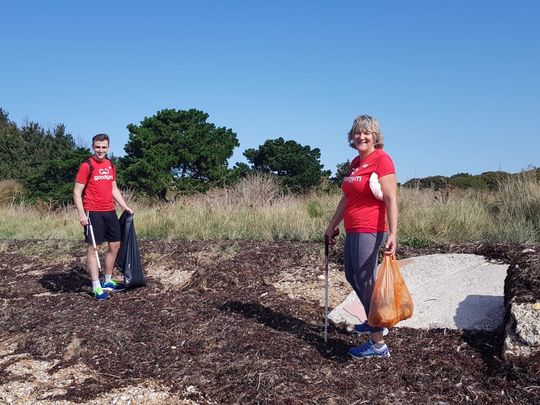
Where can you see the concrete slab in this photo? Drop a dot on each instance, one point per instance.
(455, 291)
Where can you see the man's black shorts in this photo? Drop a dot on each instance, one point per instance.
(106, 227)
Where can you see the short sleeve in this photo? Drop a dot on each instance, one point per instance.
(83, 173)
(385, 166)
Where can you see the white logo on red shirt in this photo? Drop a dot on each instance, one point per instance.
(104, 174)
(352, 179)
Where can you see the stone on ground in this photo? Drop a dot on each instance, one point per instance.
(454, 291)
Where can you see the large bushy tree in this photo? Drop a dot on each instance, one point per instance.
(298, 166)
(44, 161)
(177, 149)
(53, 179)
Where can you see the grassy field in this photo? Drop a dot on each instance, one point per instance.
(256, 209)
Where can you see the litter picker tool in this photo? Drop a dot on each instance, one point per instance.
(326, 286)
(90, 229)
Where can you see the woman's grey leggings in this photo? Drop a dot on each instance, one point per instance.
(361, 257)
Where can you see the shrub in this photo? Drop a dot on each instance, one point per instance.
(314, 209)
(255, 190)
(10, 191)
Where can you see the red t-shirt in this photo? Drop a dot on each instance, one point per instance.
(363, 212)
(98, 192)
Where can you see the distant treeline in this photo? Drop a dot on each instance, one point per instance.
(485, 181)
(174, 153)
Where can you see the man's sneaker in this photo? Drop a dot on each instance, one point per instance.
(364, 329)
(369, 350)
(99, 294)
(112, 286)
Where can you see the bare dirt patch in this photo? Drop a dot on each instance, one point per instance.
(244, 327)
(305, 280)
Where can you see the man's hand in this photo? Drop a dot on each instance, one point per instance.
(83, 220)
(129, 209)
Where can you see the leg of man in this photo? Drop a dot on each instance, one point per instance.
(91, 260)
(113, 236)
(98, 231)
(110, 259)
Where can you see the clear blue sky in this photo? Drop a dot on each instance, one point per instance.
(455, 84)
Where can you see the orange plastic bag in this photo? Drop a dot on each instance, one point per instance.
(391, 301)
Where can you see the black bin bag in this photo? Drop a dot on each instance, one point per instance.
(128, 260)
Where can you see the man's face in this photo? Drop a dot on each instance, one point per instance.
(100, 149)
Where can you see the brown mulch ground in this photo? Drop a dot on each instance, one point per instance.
(236, 338)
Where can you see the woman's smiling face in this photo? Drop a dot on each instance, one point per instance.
(365, 134)
(364, 141)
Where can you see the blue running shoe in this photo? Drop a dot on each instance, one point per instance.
(112, 286)
(368, 350)
(99, 294)
(364, 329)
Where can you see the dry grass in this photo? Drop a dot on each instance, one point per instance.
(257, 209)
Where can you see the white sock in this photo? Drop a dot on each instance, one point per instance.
(379, 346)
(108, 277)
(96, 284)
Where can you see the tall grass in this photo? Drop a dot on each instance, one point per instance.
(520, 198)
(257, 209)
(21, 221)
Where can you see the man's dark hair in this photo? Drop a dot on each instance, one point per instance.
(101, 137)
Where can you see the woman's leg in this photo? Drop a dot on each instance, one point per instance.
(361, 257)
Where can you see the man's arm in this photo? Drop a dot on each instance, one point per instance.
(119, 199)
(77, 198)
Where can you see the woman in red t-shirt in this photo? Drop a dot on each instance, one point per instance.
(369, 200)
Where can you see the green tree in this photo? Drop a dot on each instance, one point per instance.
(298, 166)
(14, 159)
(466, 181)
(342, 170)
(494, 179)
(177, 149)
(434, 182)
(239, 171)
(44, 161)
(52, 177)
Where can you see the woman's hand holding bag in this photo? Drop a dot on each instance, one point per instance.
(391, 301)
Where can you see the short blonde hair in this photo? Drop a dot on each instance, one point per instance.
(366, 123)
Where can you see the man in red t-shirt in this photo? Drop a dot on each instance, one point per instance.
(96, 179)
